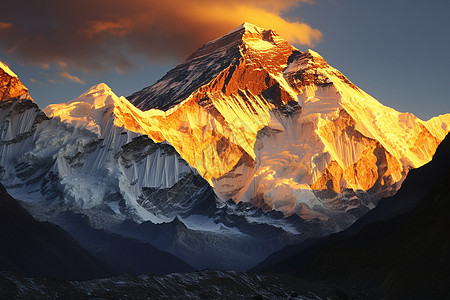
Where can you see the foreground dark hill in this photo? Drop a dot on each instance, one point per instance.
(206, 284)
(400, 249)
(41, 249)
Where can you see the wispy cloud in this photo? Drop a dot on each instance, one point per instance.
(35, 81)
(70, 77)
(65, 75)
(98, 35)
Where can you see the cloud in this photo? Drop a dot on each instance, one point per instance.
(35, 81)
(4, 25)
(64, 74)
(70, 77)
(99, 35)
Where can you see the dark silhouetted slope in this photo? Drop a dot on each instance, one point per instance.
(41, 249)
(124, 255)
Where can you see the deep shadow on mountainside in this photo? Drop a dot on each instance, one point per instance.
(41, 249)
(124, 255)
(399, 250)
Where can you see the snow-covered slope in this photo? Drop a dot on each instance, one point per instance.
(283, 129)
(80, 156)
(159, 185)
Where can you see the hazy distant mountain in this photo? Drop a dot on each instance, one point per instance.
(398, 250)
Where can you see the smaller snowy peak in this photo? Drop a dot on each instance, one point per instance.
(98, 96)
(99, 88)
(7, 70)
(87, 110)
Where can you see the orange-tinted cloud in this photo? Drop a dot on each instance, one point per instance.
(70, 77)
(65, 75)
(94, 35)
(4, 25)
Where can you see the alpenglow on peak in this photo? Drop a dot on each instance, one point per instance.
(281, 128)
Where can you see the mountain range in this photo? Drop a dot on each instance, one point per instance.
(247, 146)
(396, 251)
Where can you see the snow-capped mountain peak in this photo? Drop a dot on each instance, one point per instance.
(101, 88)
(247, 32)
(261, 38)
(98, 96)
(313, 54)
(270, 105)
(86, 111)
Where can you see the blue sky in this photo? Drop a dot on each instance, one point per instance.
(397, 51)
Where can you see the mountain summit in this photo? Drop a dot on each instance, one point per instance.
(206, 65)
